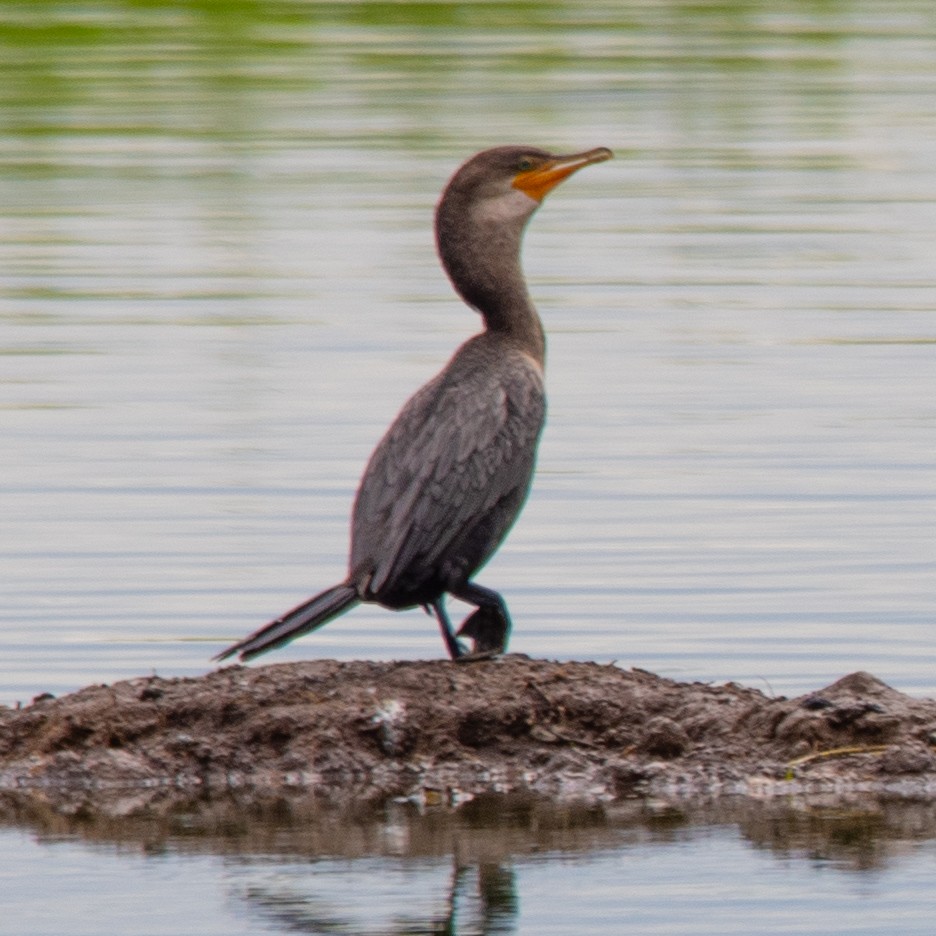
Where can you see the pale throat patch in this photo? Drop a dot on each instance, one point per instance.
(512, 205)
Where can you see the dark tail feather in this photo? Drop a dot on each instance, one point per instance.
(306, 617)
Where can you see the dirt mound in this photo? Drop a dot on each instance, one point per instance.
(441, 732)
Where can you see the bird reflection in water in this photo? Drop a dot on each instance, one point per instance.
(481, 901)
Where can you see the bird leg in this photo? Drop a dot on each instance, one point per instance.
(489, 626)
(455, 649)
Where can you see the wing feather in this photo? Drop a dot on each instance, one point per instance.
(447, 480)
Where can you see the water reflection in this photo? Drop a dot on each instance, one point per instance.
(859, 836)
(495, 866)
(480, 900)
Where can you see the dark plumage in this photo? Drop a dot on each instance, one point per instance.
(448, 479)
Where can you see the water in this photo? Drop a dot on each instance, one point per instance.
(774, 870)
(217, 286)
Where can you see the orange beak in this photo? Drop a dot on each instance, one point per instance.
(544, 178)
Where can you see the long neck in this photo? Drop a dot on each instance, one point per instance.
(481, 255)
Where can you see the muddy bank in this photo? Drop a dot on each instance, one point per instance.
(439, 732)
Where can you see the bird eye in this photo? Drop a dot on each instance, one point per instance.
(525, 164)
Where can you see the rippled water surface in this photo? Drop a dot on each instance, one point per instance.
(218, 284)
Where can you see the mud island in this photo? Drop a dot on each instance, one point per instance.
(442, 732)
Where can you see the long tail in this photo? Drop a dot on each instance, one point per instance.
(306, 617)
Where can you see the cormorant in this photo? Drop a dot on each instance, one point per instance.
(448, 479)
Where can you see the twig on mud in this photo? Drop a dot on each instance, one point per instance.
(838, 752)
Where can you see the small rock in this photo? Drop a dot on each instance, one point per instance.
(906, 760)
(664, 738)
